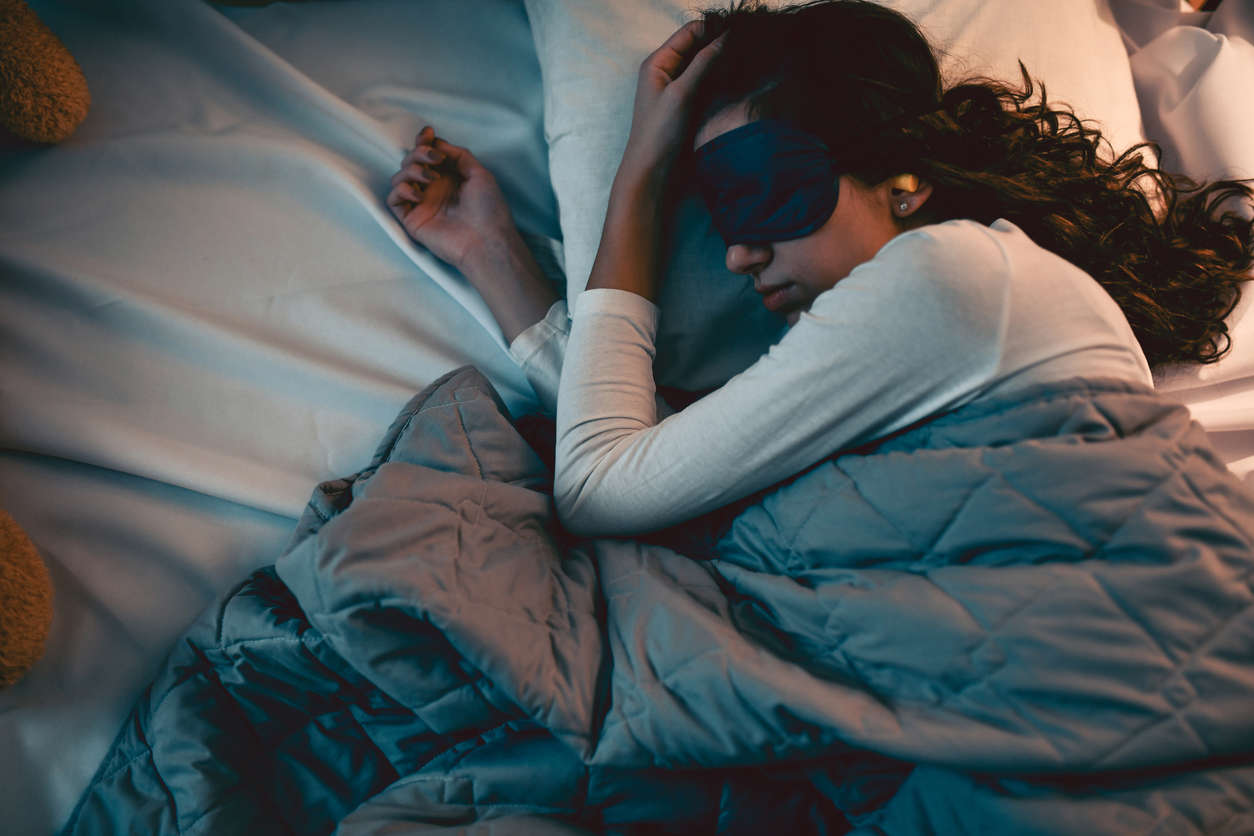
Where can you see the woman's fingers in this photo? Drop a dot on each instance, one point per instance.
(416, 163)
(425, 146)
(700, 64)
(459, 158)
(399, 203)
(414, 172)
(423, 154)
(673, 56)
(405, 191)
(408, 184)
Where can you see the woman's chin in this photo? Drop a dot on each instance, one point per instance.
(792, 317)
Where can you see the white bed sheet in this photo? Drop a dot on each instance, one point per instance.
(1192, 73)
(206, 308)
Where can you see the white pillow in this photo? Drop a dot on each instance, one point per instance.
(1187, 79)
(712, 323)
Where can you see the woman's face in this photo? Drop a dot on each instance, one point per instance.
(790, 274)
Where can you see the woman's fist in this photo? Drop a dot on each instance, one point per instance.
(447, 201)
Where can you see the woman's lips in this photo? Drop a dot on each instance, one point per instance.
(774, 299)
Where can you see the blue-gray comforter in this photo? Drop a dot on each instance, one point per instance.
(1027, 616)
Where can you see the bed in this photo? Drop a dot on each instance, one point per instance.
(206, 309)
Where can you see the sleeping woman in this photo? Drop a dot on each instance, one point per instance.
(930, 246)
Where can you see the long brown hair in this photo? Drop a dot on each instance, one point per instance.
(865, 80)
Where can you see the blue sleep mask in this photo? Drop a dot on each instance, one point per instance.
(766, 181)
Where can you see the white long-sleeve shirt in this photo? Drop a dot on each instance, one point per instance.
(941, 316)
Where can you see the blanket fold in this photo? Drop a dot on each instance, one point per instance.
(1031, 615)
(453, 535)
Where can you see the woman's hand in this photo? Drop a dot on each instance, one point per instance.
(665, 90)
(447, 201)
(637, 218)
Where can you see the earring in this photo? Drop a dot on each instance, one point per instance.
(903, 206)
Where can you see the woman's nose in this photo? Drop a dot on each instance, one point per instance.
(748, 258)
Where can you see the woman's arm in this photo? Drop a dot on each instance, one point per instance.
(628, 257)
(909, 334)
(641, 200)
(511, 283)
(533, 319)
(451, 204)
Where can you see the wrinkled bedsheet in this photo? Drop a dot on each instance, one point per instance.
(946, 632)
(206, 308)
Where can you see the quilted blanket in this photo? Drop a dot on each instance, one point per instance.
(1025, 616)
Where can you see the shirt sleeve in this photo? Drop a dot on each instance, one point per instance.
(913, 331)
(539, 350)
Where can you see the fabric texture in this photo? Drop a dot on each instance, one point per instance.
(1026, 616)
(943, 315)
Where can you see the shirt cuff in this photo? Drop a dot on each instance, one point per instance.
(621, 303)
(539, 352)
